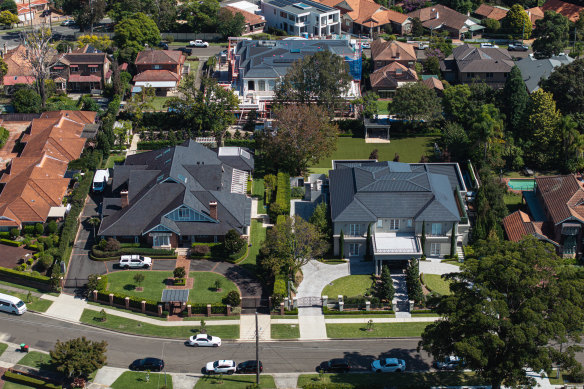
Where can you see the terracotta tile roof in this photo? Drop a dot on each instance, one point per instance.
(518, 225)
(367, 12)
(17, 63)
(433, 83)
(160, 57)
(13, 80)
(250, 18)
(569, 10)
(80, 78)
(488, 11)
(562, 196)
(534, 14)
(437, 15)
(392, 75)
(156, 75)
(382, 50)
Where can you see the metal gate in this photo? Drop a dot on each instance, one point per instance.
(75, 286)
(250, 305)
(312, 301)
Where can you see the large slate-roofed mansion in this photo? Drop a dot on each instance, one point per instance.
(179, 195)
(395, 199)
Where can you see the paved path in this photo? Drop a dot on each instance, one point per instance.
(435, 267)
(248, 326)
(401, 295)
(67, 307)
(134, 145)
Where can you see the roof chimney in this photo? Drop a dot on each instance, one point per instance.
(124, 197)
(213, 209)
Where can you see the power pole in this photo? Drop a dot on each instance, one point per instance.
(257, 350)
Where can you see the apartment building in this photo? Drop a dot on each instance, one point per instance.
(303, 17)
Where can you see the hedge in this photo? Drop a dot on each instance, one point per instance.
(327, 311)
(27, 380)
(24, 276)
(249, 143)
(154, 144)
(111, 255)
(281, 219)
(4, 234)
(9, 242)
(326, 385)
(283, 192)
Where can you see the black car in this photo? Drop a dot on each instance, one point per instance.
(518, 47)
(185, 50)
(339, 365)
(152, 364)
(163, 45)
(249, 367)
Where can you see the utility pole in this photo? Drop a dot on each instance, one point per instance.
(30, 14)
(257, 350)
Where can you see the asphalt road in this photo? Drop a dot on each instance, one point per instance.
(277, 357)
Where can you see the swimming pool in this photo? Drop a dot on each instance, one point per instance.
(521, 184)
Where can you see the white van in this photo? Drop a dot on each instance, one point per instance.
(12, 304)
(100, 180)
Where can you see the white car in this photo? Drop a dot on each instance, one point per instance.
(489, 46)
(204, 340)
(198, 43)
(388, 365)
(223, 366)
(365, 45)
(135, 261)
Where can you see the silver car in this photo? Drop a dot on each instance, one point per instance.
(223, 366)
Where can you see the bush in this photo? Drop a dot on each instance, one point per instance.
(38, 229)
(51, 227)
(14, 233)
(232, 299)
(297, 192)
(45, 262)
(112, 245)
(283, 192)
(29, 381)
(28, 230)
(24, 276)
(233, 242)
(279, 291)
(9, 242)
(201, 250)
(179, 272)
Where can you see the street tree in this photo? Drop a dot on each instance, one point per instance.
(100, 42)
(515, 99)
(88, 13)
(229, 23)
(201, 15)
(163, 12)
(8, 19)
(416, 101)
(78, 357)
(9, 5)
(509, 308)
(551, 35)
(26, 100)
(322, 78)
(304, 136)
(132, 33)
(517, 22)
(566, 83)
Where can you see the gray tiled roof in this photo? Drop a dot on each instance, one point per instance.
(534, 70)
(394, 190)
(474, 59)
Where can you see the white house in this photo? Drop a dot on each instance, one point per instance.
(302, 17)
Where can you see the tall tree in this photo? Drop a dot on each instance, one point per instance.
(370, 107)
(229, 23)
(566, 83)
(457, 104)
(551, 35)
(416, 102)
(385, 289)
(163, 12)
(8, 19)
(572, 145)
(9, 5)
(304, 135)
(201, 14)
(322, 78)
(88, 13)
(541, 129)
(132, 33)
(515, 99)
(517, 22)
(413, 283)
(26, 100)
(487, 131)
(100, 42)
(455, 140)
(321, 219)
(79, 357)
(507, 311)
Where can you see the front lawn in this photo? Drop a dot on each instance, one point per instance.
(349, 286)
(37, 304)
(234, 382)
(513, 201)
(435, 283)
(158, 103)
(113, 159)
(409, 150)
(258, 235)
(285, 331)
(258, 190)
(134, 379)
(397, 380)
(14, 385)
(380, 330)
(37, 360)
(118, 323)
(155, 281)
(3, 347)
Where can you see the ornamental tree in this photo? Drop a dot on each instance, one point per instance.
(515, 99)
(517, 22)
(78, 357)
(566, 83)
(551, 35)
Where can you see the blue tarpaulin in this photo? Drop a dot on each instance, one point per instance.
(354, 67)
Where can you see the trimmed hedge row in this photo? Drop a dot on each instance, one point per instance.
(12, 243)
(154, 253)
(24, 276)
(154, 144)
(29, 381)
(283, 192)
(327, 311)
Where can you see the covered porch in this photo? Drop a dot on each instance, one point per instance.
(395, 248)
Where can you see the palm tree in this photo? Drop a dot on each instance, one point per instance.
(572, 140)
(94, 222)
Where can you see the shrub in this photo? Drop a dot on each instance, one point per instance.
(51, 227)
(179, 272)
(233, 242)
(38, 229)
(283, 192)
(297, 192)
(112, 245)
(279, 290)
(232, 299)
(45, 262)
(28, 230)
(29, 381)
(10, 242)
(14, 233)
(201, 250)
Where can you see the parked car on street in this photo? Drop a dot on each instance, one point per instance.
(198, 43)
(135, 261)
(388, 365)
(12, 304)
(337, 365)
(489, 45)
(163, 45)
(249, 367)
(152, 364)
(204, 340)
(518, 47)
(449, 363)
(186, 50)
(223, 366)
(68, 22)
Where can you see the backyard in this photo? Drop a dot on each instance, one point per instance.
(113, 159)
(350, 286)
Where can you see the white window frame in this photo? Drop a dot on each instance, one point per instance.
(435, 249)
(354, 229)
(409, 222)
(165, 239)
(437, 229)
(380, 223)
(394, 224)
(354, 249)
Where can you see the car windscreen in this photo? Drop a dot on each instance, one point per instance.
(20, 304)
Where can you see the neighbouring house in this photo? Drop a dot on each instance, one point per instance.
(569, 10)
(556, 206)
(257, 66)
(395, 199)
(30, 9)
(34, 183)
(179, 195)
(253, 23)
(534, 14)
(159, 69)
(534, 70)
(302, 17)
(84, 72)
(433, 82)
(386, 80)
(383, 53)
(485, 11)
(468, 63)
(19, 69)
(439, 17)
(366, 17)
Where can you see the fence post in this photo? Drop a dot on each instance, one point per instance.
(411, 305)
(281, 309)
(189, 310)
(127, 301)
(111, 299)
(287, 303)
(159, 310)
(324, 301)
(341, 305)
(95, 295)
(143, 305)
(340, 299)
(228, 310)
(208, 310)
(394, 305)
(295, 303)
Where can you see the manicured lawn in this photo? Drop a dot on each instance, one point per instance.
(435, 283)
(257, 190)
(563, 379)
(396, 380)
(355, 316)
(37, 360)
(382, 107)
(234, 382)
(154, 282)
(135, 379)
(258, 235)
(3, 347)
(194, 66)
(37, 304)
(158, 103)
(14, 385)
(121, 324)
(409, 150)
(24, 287)
(112, 159)
(380, 330)
(512, 201)
(285, 331)
(349, 286)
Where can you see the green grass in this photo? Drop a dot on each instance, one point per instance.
(349, 286)
(563, 379)
(24, 287)
(319, 170)
(14, 385)
(37, 360)
(258, 235)
(258, 191)
(234, 382)
(154, 282)
(37, 304)
(380, 330)
(382, 107)
(3, 347)
(129, 326)
(112, 159)
(194, 66)
(158, 103)
(409, 150)
(355, 316)
(435, 283)
(194, 318)
(512, 201)
(397, 380)
(134, 379)
(285, 331)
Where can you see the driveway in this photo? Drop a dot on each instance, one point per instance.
(436, 267)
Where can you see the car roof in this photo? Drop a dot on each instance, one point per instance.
(203, 336)
(391, 360)
(226, 362)
(150, 359)
(339, 361)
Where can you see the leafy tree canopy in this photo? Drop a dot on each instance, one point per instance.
(163, 12)
(100, 42)
(26, 100)
(416, 102)
(517, 22)
(515, 98)
(551, 35)
(566, 83)
(132, 33)
(79, 357)
(201, 14)
(230, 24)
(9, 5)
(7, 18)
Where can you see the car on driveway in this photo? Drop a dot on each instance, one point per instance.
(152, 364)
(337, 365)
(365, 45)
(249, 367)
(198, 43)
(388, 365)
(223, 366)
(449, 363)
(204, 340)
(518, 47)
(135, 262)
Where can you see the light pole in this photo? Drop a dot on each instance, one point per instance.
(257, 350)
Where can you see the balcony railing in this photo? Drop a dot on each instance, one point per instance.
(416, 249)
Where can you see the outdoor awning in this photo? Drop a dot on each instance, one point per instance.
(175, 295)
(57, 211)
(570, 229)
(78, 78)
(156, 84)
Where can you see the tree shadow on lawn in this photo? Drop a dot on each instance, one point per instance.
(130, 287)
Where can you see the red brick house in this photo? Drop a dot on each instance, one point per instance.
(159, 69)
(82, 72)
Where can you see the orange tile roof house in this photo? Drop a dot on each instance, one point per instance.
(569, 10)
(154, 69)
(29, 9)
(34, 183)
(367, 17)
(82, 72)
(439, 17)
(534, 14)
(386, 80)
(253, 22)
(19, 68)
(383, 53)
(485, 11)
